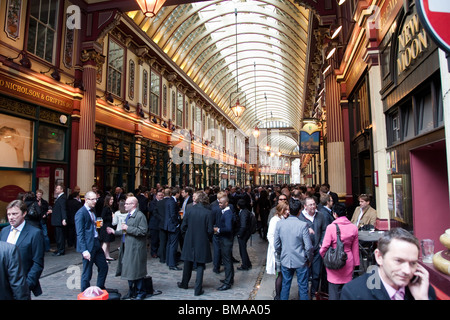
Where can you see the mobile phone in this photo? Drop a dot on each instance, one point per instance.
(414, 279)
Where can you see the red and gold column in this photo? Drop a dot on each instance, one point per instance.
(86, 140)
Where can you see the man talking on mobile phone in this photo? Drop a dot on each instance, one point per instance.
(399, 276)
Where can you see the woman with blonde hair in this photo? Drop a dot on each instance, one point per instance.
(273, 265)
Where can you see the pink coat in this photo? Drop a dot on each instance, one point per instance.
(349, 236)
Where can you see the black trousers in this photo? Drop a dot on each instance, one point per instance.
(243, 252)
(60, 239)
(187, 273)
(226, 247)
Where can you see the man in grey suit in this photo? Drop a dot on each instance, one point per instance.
(30, 242)
(293, 244)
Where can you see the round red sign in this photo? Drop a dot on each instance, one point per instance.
(435, 17)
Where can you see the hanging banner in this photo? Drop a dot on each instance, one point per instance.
(309, 140)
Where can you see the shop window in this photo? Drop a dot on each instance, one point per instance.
(439, 106)
(11, 183)
(115, 68)
(395, 128)
(51, 143)
(407, 123)
(16, 142)
(155, 85)
(424, 112)
(360, 109)
(42, 26)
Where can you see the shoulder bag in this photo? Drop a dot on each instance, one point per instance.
(335, 258)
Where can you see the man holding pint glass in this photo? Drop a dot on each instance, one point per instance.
(88, 244)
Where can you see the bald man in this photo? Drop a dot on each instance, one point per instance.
(133, 251)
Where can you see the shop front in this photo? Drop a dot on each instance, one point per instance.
(34, 140)
(416, 153)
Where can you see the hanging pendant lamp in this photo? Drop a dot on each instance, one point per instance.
(237, 108)
(150, 7)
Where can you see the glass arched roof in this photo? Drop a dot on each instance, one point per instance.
(271, 37)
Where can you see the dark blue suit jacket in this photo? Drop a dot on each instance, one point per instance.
(168, 212)
(13, 284)
(225, 224)
(59, 211)
(369, 287)
(85, 230)
(31, 249)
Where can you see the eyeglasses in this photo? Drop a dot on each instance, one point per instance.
(93, 199)
(128, 204)
(284, 199)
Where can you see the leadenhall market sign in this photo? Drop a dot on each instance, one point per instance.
(413, 44)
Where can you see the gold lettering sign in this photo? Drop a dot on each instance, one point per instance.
(34, 94)
(412, 41)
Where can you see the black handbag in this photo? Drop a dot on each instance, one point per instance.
(335, 258)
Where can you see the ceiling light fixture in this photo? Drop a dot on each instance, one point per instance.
(150, 8)
(237, 108)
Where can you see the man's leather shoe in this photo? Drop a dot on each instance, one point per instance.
(223, 281)
(243, 268)
(216, 271)
(224, 287)
(180, 285)
(127, 296)
(176, 268)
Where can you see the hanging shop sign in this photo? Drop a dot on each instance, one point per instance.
(412, 42)
(435, 16)
(309, 139)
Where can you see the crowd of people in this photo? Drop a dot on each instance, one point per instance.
(197, 227)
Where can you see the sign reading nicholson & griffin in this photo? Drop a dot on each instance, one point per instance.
(33, 93)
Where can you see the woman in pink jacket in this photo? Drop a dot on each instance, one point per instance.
(349, 236)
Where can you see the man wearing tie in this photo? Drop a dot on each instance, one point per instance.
(88, 243)
(224, 230)
(30, 242)
(59, 219)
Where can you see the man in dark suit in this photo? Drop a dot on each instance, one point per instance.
(169, 226)
(186, 193)
(244, 234)
(224, 229)
(216, 213)
(59, 219)
(198, 227)
(30, 242)
(186, 202)
(317, 226)
(88, 243)
(399, 276)
(13, 284)
(153, 224)
(118, 195)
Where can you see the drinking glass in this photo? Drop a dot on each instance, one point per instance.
(427, 250)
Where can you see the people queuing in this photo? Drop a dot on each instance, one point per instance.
(197, 227)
